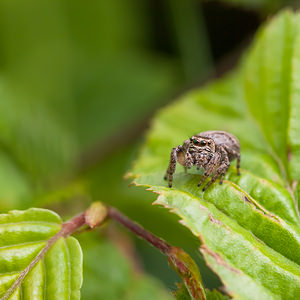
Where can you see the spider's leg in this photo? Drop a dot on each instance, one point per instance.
(238, 159)
(222, 177)
(206, 174)
(209, 168)
(172, 164)
(222, 169)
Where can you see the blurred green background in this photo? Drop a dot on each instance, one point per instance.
(79, 84)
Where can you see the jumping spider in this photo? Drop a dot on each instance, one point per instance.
(211, 150)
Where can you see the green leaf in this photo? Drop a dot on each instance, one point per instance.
(23, 234)
(215, 295)
(249, 226)
(182, 292)
(272, 88)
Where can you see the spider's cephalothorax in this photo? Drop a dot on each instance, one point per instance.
(211, 150)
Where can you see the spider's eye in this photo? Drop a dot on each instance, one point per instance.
(203, 143)
(195, 142)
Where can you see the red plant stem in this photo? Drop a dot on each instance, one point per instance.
(73, 224)
(139, 230)
(181, 262)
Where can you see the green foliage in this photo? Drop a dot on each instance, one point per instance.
(66, 85)
(183, 294)
(215, 295)
(23, 234)
(80, 76)
(249, 227)
(272, 89)
(58, 275)
(86, 72)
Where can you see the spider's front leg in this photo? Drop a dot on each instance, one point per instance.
(209, 168)
(185, 158)
(172, 164)
(221, 170)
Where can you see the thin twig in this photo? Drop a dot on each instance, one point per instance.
(181, 262)
(139, 230)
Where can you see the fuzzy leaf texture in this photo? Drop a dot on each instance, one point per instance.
(22, 236)
(249, 226)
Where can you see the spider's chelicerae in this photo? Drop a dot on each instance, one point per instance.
(211, 150)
